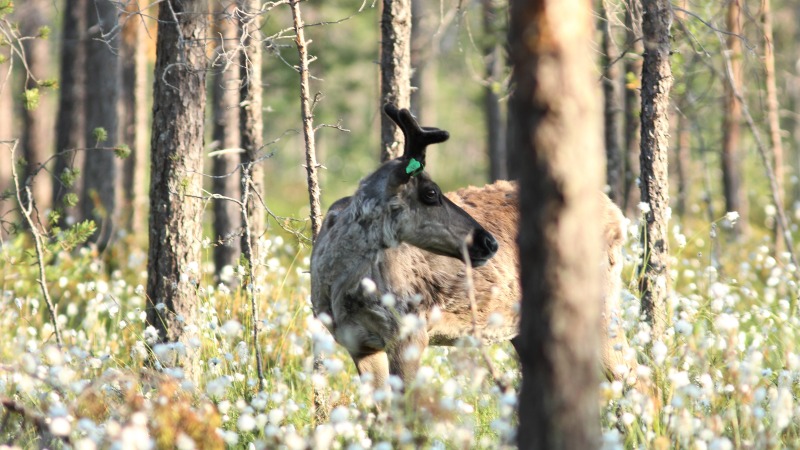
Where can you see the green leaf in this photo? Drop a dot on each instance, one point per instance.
(122, 151)
(30, 99)
(71, 199)
(44, 32)
(100, 134)
(6, 7)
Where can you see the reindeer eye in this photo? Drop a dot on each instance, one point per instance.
(430, 196)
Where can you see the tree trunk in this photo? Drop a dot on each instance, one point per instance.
(656, 84)
(735, 200)
(558, 144)
(36, 133)
(71, 122)
(395, 70)
(133, 118)
(420, 53)
(251, 126)
(176, 159)
(612, 110)
(99, 199)
(632, 98)
(682, 162)
(7, 132)
(773, 107)
(495, 129)
(227, 215)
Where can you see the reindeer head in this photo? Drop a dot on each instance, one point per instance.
(410, 206)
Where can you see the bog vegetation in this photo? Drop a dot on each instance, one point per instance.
(724, 374)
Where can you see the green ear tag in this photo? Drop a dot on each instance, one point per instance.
(414, 167)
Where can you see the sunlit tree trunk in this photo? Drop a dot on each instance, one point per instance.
(656, 85)
(612, 109)
(558, 141)
(735, 200)
(682, 164)
(395, 70)
(36, 134)
(251, 116)
(8, 131)
(71, 121)
(133, 118)
(225, 89)
(632, 104)
(100, 173)
(179, 98)
(773, 106)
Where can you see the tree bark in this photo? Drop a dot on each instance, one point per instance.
(735, 200)
(36, 134)
(226, 136)
(7, 132)
(71, 121)
(558, 145)
(251, 125)
(682, 162)
(100, 180)
(773, 106)
(395, 70)
(133, 118)
(176, 159)
(632, 105)
(656, 85)
(612, 110)
(495, 129)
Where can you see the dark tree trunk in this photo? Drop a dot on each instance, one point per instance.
(100, 180)
(735, 200)
(656, 85)
(36, 134)
(395, 70)
(633, 76)
(179, 99)
(133, 119)
(612, 110)
(227, 215)
(558, 142)
(495, 128)
(71, 122)
(251, 125)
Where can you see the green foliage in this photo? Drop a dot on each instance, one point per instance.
(6, 8)
(69, 176)
(75, 235)
(49, 84)
(70, 199)
(122, 151)
(30, 99)
(43, 32)
(100, 134)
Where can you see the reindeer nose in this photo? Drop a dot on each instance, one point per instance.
(486, 240)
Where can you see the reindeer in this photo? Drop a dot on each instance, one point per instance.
(394, 250)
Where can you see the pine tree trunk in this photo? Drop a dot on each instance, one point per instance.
(612, 110)
(495, 129)
(179, 99)
(632, 105)
(682, 162)
(251, 125)
(735, 200)
(395, 70)
(36, 133)
(71, 122)
(7, 132)
(133, 119)
(656, 85)
(419, 54)
(558, 142)
(225, 89)
(100, 185)
(773, 106)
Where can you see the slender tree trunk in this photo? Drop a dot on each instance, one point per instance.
(179, 98)
(395, 70)
(71, 121)
(612, 110)
(133, 118)
(656, 85)
(682, 162)
(559, 146)
(632, 99)
(100, 186)
(495, 129)
(7, 132)
(735, 200)
(226, 135)
(36, 133)
(773, 106)
(251, 125)
(420, 40)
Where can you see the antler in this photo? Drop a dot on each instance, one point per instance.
(417, 138)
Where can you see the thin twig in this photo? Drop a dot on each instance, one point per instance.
(246, 182)
(38, 240)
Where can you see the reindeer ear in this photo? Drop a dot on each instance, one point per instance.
(417, 138)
